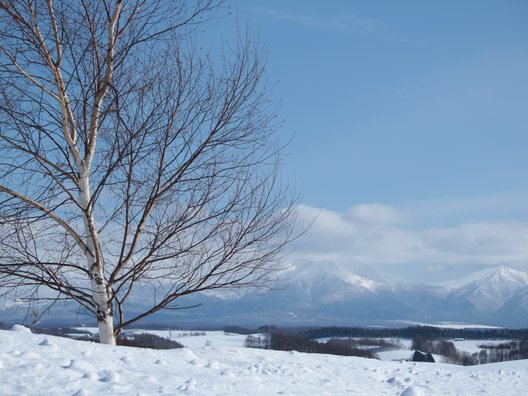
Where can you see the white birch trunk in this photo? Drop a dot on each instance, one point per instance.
(104, 313)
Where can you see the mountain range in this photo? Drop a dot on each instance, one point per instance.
(328, 294)
(358, 294)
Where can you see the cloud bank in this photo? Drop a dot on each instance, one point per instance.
(382, 235)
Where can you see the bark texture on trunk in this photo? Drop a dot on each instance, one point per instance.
(101, 297)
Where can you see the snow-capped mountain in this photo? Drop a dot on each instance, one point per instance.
(355, 274)
(490, 289)
(323, 293)
(358, 294)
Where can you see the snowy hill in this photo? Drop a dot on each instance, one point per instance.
(33, 364)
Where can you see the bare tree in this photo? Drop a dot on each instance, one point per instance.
(130, 159)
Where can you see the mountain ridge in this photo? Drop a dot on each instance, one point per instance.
(328, 294)
(361, 294)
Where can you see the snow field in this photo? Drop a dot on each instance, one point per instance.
(32, 364)
(197, 339)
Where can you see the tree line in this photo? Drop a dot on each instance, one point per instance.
(489, 353)
(283, 341)
(429, 332)
(503, 352)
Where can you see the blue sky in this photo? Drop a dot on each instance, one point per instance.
(415, 110)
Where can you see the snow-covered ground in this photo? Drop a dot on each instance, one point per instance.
(472, 346)
(32, 364)
(449, 325)
(196, 339)
(188, 338)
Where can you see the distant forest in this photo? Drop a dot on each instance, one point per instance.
(428, 340)
(429, 332)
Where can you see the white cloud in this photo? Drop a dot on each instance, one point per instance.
(486, 242)
(374, 213)
(378, 235)
(342, 23)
